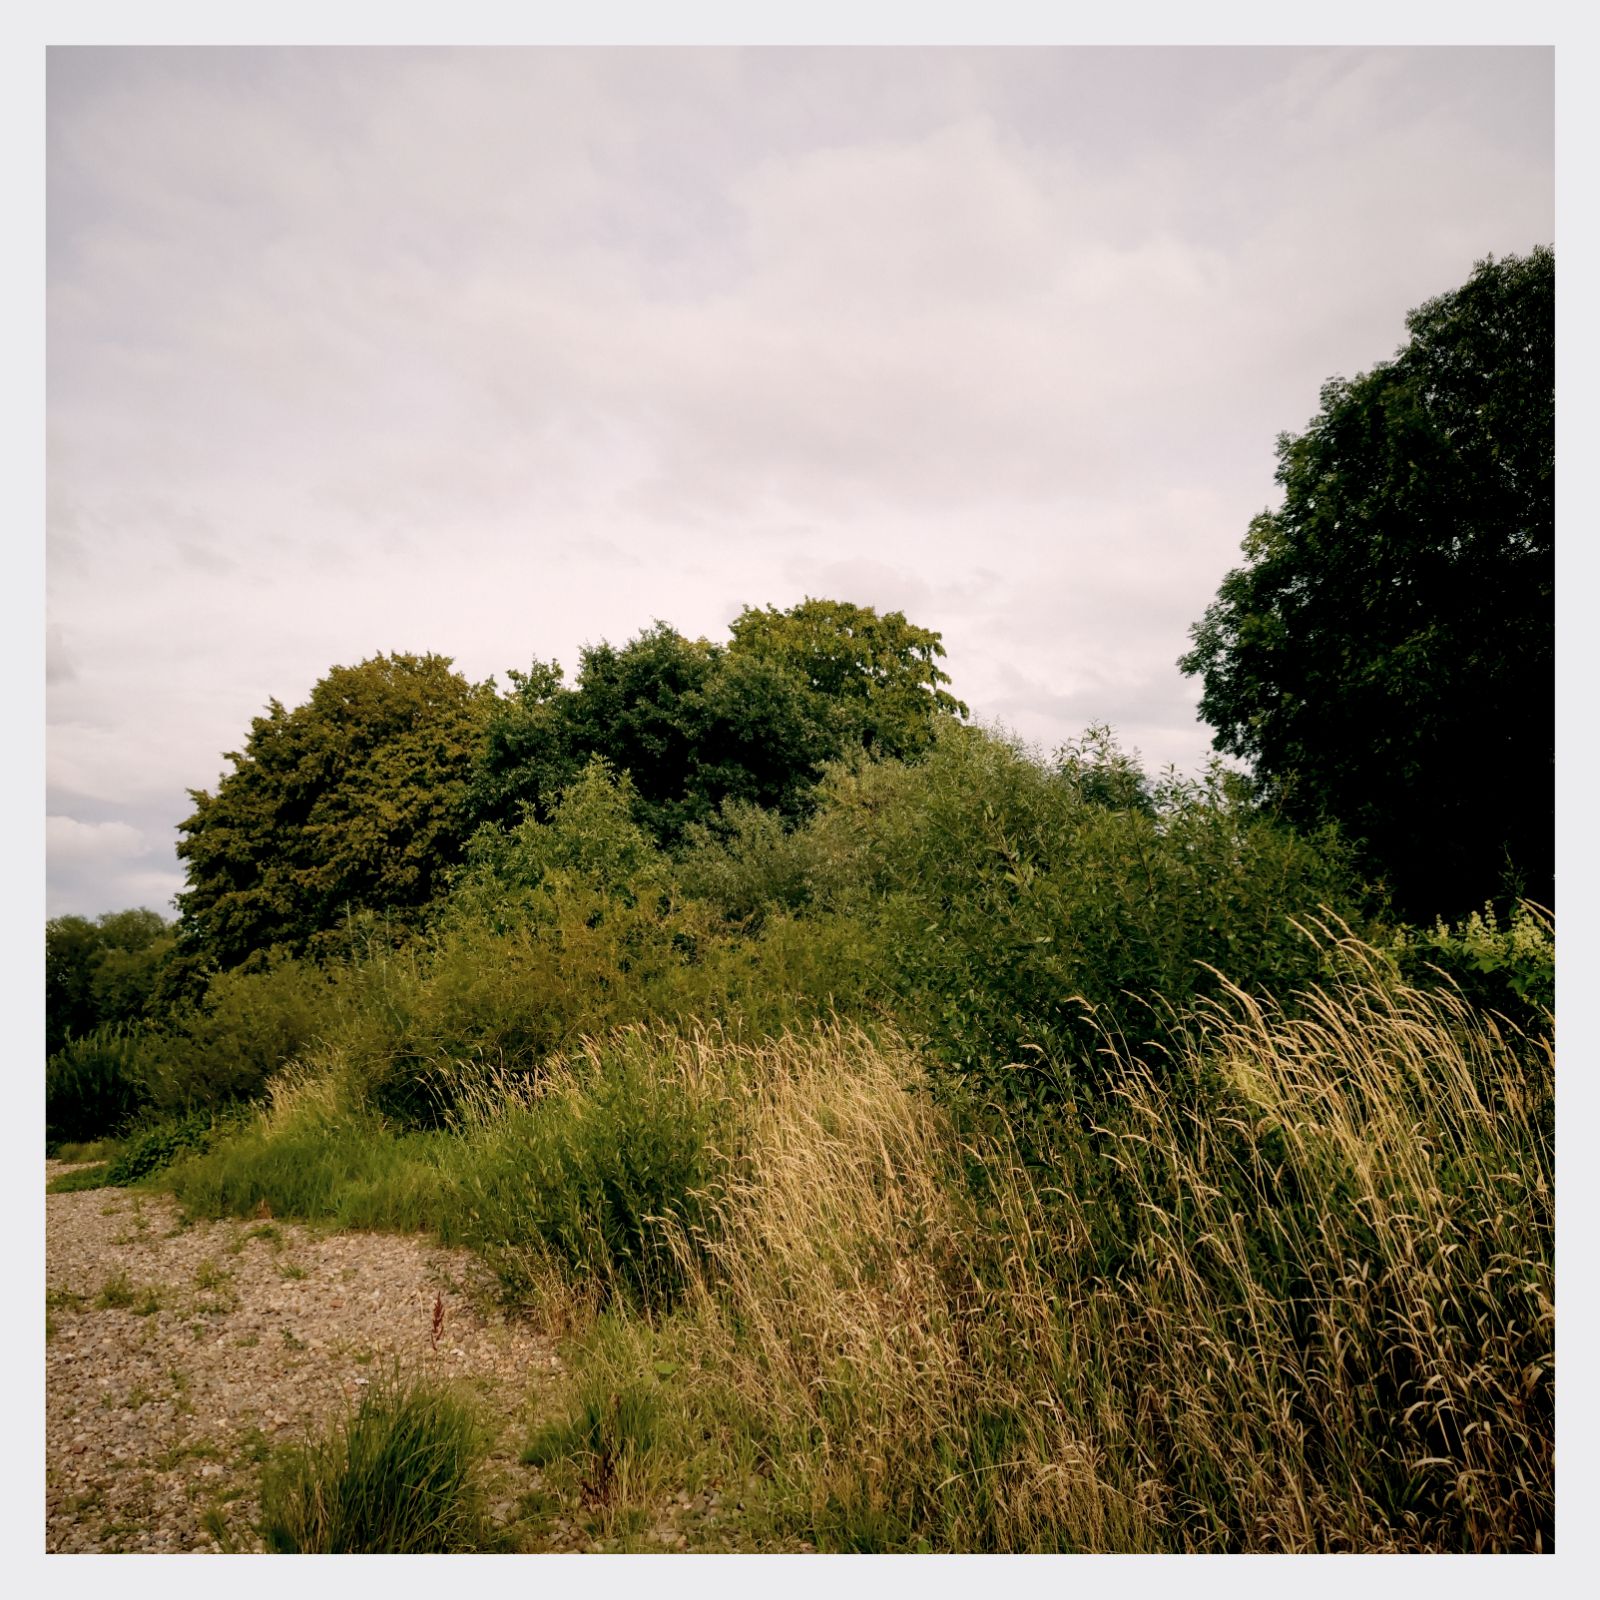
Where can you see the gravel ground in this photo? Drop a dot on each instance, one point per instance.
(178, 1355)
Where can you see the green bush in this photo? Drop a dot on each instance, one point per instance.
(399, 1477)
(94, 1085)
(619, 1154)
(157, 1145)
(248, 1025)
(1509, 969)
(1017, 916)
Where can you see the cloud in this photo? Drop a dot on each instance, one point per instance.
(73, 843)
(499, 352)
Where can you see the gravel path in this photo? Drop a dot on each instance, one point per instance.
(177, 1356)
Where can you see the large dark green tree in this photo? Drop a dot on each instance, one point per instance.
(1385, 656)
(354, 801)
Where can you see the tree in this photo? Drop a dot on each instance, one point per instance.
(696, 724)
(355, 801)
(877, 673)
(105, 971)
(1385, 657)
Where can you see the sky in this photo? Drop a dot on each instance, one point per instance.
(496, 353)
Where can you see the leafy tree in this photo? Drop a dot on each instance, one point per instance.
(104, 971)
(354, 801)
(698, 725)
(1384, 657)
(878, 674)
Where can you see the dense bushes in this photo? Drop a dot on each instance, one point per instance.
(102, 972)
(1011, 913)
(1015, 915)
(217, 1053)
(94, 1085)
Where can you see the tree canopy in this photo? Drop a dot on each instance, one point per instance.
(696, 724)
(354, 801)
(105, 970)
(1385, 656)
(363, 799)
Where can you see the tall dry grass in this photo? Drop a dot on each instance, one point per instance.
(1293, 1293)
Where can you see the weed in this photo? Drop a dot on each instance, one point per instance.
(208, 1275)
(116, 1294)
(215, 1522)
(398, 1477)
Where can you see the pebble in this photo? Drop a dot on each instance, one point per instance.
(140, 1471)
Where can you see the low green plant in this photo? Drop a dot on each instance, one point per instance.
(606, 1440)
(398, 1477)
(86, 1150)
(157, 1145)
(309, 1154)
(116, 1294)
(95, 1177)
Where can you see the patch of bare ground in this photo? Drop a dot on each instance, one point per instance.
(178, 1356)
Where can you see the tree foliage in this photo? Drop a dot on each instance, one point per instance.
(105, 971)
(354, 801)
(698, 725)
(878, 675)
(1384, 657)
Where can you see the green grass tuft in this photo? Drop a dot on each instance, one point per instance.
(396, 1478)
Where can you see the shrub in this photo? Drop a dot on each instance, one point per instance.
(1509, 969)
(248, 1025)
(157, 1145)
(617, 1153)
(1018, 914)
(399, 1477)
(95, 1084)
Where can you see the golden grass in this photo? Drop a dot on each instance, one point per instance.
(1294, 1294)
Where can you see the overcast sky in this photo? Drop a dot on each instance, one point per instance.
(496, 353)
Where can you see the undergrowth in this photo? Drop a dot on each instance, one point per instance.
(1288, 1289)
(398, 1477)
